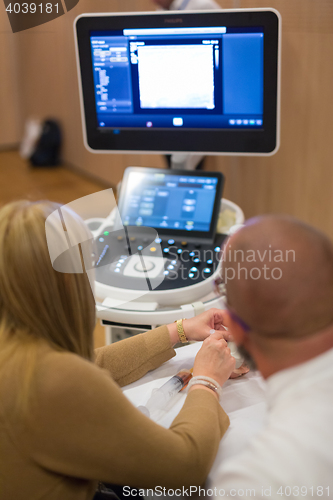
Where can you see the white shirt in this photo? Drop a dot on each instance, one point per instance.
(292, 457)
(194, 5)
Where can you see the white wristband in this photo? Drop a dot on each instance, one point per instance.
(207, 382)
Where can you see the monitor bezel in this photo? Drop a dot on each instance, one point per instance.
(179, 233)
(264, 141)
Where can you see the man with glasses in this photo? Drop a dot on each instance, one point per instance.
(278, 282)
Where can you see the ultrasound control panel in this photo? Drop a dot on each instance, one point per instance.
(133, 257)
(163, 237)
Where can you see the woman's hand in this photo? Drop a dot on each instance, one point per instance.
(214, 359)
(199, 327)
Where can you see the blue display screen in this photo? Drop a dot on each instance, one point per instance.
(208, 77)
(169, 201)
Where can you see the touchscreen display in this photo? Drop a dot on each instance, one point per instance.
(169, 201)
(199, 77)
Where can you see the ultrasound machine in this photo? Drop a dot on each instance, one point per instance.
(205, 83)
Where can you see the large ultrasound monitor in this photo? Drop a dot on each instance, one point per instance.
(205, 82)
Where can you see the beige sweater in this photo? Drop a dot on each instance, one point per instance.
(81, 428)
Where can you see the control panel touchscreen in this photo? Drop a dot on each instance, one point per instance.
(168, 200)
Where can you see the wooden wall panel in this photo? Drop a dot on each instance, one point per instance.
(297, 180)
(9, 96)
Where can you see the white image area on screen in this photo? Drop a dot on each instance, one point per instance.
(176, 76)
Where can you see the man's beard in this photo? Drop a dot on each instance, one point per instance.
(249, 361)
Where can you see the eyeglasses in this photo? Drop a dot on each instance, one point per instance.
(221, 290)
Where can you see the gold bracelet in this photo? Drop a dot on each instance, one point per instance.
(180, 330)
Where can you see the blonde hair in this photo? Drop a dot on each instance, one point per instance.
(37, 303)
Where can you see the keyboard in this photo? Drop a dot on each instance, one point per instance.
(133, 256)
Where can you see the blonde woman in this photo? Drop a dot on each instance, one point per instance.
(64, 422)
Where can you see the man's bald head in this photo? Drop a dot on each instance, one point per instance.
(279, 276)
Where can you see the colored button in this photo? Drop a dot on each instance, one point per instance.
(165, 250)
(179, 250)
(158, 240)
(140, 247)
(192, 254)
(184, 243)
(117, 270)
(120, 238)
(166, 273)
(191, 275)
(152, 249)
(193, 269)
(206, 270)
(171, 242)
(173, 262)
(217, 249)
(209, 262)
(196, 260)
(171, 267)
(106, 233)
(101, 240)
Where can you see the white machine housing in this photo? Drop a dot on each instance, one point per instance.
(158, 307)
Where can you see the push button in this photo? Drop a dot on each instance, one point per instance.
(143, 267)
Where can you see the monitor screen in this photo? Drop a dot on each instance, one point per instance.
(197, 82)
(174, 202)
(179, 77)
